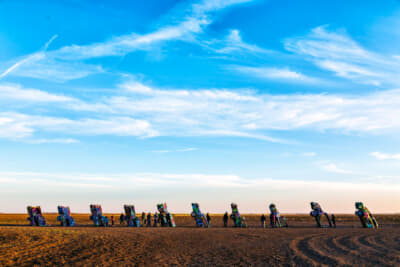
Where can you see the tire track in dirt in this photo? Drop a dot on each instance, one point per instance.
(363, 253)
(298, 258)
(120, 246)
(372, 245)
(325, 246)
(334, 242)
(391, 242)
(307, 248)
(332, 249)
(397, 240)
(347, 251)
(390, 249)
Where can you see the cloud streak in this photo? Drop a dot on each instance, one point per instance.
(18, 125)
(194, 22)
(142, 110)
(331, 167)
(16, 92)
(189, 149)
(385, 156)
(234, 44)
(33, 57)
(68, 62)
(339, 53)
(278, 74)
(194, 180)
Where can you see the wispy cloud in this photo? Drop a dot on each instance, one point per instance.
(184, 180)
(198, 16)
(272, 73)
(44, 65)
(23, 61)
(228, 111)
(176, 150)
(234, 44)
(339, 53)
(385, 156)
(54, 141)
(187, 149)
(309, 154)
(33, 57)
(68, 62)
(331, 167)
(51, 69)
(17, 92)
(17, 125)
(142, 110)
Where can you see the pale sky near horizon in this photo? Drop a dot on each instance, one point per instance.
(209, 101)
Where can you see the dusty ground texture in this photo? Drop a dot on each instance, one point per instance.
(302, 245)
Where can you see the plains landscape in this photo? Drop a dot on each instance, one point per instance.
(257, 106)
(302, 244)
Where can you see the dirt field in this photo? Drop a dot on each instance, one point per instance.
(300, 245)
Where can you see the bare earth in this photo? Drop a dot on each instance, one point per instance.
(300, 245)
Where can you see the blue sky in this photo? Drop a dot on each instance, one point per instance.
(248, 101)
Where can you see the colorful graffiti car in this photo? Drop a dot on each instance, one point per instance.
(277, 221)
(35, 216)
(317, 213)
(130, 216)
(366, 218)
(200, 218)
(165, 218)
(97, 216)
(64, 216)
(238, 221)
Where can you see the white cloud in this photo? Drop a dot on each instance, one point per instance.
(42, 65)
(57, 70)
(228, 112)
(141, 110)
(16, 65)
(33, 57)
(187, 149)
(12, 128)
(16, 92)
(185, 180)
(340, 54)
(309, 154)
(54, 141)
(60, 184)
(331, 167)
(233, 44)
(176, 150)
(196, 19)
(67, 63)
(385, 156)
(17, 125)
(280, 74)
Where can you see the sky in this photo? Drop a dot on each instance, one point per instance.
(210, 101)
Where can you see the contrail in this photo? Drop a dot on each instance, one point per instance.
(49, 42)
(31, 57)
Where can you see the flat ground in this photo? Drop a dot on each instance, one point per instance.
(301, 245)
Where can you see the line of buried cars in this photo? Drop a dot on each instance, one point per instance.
(165, 219)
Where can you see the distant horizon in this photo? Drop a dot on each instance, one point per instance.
(213, 101)
(188, 213)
